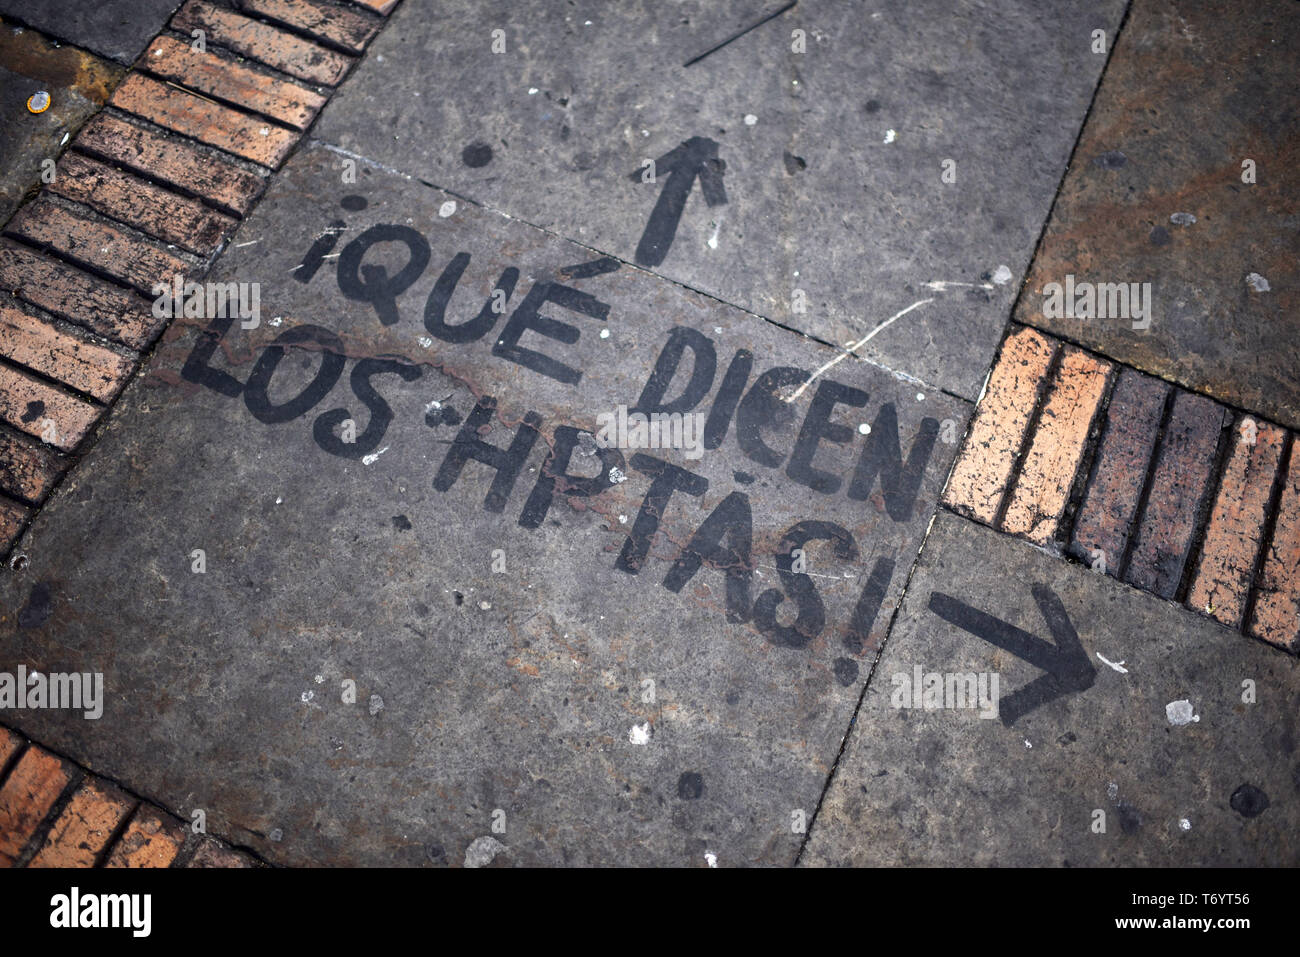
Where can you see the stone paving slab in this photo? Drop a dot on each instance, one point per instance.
(78, 84)
(522, 691)
(1187, 178)
(823, 203)
(117, 29)
(943, 786)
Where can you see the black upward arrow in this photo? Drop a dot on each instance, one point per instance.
(1068, 667)
(698, 156)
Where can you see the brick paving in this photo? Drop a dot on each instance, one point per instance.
(1173, 492)
(56, 814)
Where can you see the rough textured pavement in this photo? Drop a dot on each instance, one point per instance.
(365, 589)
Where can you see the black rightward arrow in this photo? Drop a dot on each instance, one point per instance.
(1068, 667)
(698, 156)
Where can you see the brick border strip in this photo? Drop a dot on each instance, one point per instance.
(54, 813)
(152, 187)
(1167, 490)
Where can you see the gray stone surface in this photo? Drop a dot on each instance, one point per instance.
(520, 691)
(918, 786)
(816, 198)
(117, 29)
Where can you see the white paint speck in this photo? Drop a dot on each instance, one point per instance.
(532, 91)
(276, 321)
(307, 696)
(482, 850)
(264, 131)
(1117, 665)
(864, 429)
(376, 705)
(320, 679)
(616, 476)
(1027, 744)
(711, 859)
(447, 208)
(639, 734)
(435, 404)
(920, 397)
(622, 519)
(750, 119)
(278, 500)
(485, 606)
(890, 136)
(1180, 712)
(373, 457)
(1112, 790)
(604, 333)
(424, 342)
(713, 240)
(1182, 219)
(1257, 282)
(1002, 275)
(1184, 824)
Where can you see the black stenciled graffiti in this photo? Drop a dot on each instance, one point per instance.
(1068, 667)
(749, 398)
(698, 156)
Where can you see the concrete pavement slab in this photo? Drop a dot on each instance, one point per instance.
(1128, 730)
(1187, 183)
(117, 29)
(854, 160)
(366, 588)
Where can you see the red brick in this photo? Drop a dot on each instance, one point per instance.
(151, 209)
(1123, 458)
(56, 353)
(1236, 526)
(28, 469)
(171, 161)
(150, 840)
(1276, 616)
(79, 297)
(81, 832)
(211, 75)
(1056, 448)
(12, 516)
(97, 245)
(33, 406)
(983, 469)
(274, 47)
(383, 7)
(215, 854)
(227, 129)
(28, 794)
(1178, 486)
(348, 29)
(10, 743)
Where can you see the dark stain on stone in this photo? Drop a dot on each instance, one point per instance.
(1160, 236)
(38, 609)
(846, 671)
(1249, 801)
(873, 106)
(1130, 821)
(1113, 159)
(402, 523)
(34, 411)
(476, 154)
(690, 786)
(793, 164)
(445, 415)
(354, 203)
